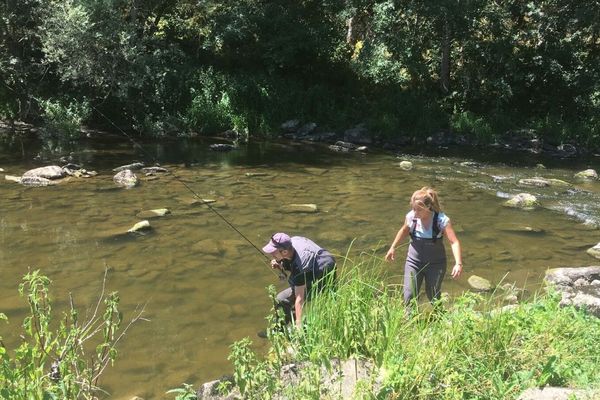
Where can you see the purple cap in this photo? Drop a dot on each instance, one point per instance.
(277, 240)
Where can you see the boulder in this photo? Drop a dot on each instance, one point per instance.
(359, 134)
(348, 145)
(306, 129)
(126, 179)
(558, 183)
(479, 284)
(524, 201)
(587, 175)
(49, 172)
(290, 126)
(594, 251)
(131, 167)
(578, 287)
(406, 165)
(339, 149)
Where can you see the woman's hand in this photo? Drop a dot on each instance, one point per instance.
(391, 254)
(275, 264)
(457, 270)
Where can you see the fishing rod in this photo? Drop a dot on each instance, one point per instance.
(281, 275)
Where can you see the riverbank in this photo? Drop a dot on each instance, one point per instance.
(477, 348)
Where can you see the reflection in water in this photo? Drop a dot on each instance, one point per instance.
(205, 286)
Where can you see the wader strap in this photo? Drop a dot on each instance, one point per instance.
(435, 228)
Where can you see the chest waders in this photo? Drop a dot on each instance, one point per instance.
(426, 259)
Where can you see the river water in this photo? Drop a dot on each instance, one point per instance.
(204, 285)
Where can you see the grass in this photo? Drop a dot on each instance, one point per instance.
(471, 350)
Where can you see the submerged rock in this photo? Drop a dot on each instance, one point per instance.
(301, 208)
(159, 212)
(479, 284)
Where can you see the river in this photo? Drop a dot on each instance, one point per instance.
(204, 286)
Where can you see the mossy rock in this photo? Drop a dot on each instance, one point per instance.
(587, 175)
(480, 284)
(524, 201)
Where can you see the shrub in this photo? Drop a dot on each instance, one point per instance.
(51, 363)
(63, 118)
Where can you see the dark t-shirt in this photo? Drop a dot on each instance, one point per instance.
(310, 262)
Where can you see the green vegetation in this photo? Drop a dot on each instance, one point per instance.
(469, 351)
(60, 358)
(409, 68)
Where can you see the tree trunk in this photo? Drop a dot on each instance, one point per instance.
(445, 61)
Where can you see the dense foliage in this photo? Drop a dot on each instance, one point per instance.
(402, 66)
(473, 350)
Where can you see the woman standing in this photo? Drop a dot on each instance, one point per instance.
(426, 225)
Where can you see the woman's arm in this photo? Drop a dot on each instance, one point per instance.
(456, 252)
(400, 236)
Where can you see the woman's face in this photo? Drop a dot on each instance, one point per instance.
(421, 212)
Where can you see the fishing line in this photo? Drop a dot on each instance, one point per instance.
(281, 275)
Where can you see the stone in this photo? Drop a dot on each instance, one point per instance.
(594, 251)
(49, 172)
(479, 284)
(255, 174)
(154, 170)
(132, 167)
(35, 181)
(301, 208)
(147, 214)
(126, 178)
(339, 149)
(13, 178)
(557, 393)
(140, 226)
(406, 165)
(290, 126)
(539, 182)
(558, 183)
(524, 201)
(576, 288)
(587, 175)
(221, 147)
(348, 145)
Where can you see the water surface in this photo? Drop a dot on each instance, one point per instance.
(204, 285)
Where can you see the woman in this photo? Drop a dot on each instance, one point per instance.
(426, 225)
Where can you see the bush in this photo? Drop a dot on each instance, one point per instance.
(470, 124)
(63, 118)
(51, 363)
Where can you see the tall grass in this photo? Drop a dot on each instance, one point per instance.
(471, 350)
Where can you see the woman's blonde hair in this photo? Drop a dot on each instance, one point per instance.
(426, 198)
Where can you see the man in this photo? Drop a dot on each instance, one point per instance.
(310, 267)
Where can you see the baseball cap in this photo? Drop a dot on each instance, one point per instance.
(277, 241)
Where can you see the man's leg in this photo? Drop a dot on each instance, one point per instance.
(285, 301)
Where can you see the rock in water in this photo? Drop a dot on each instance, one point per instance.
(126, 179)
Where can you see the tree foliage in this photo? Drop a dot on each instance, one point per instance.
(391, 63)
